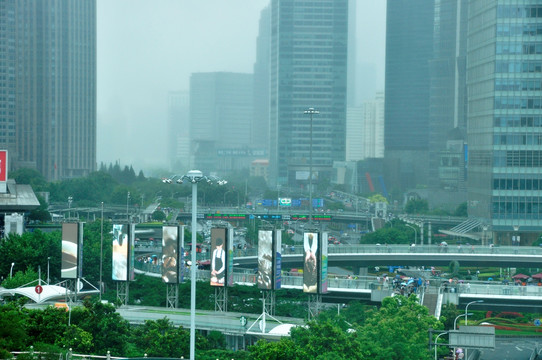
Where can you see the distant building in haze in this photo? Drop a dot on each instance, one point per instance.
(309, 43)
(260, 128)
(221, 114)
(55, 70)
(179, 131)
(8, 62)
(504, 77)
(409, 51)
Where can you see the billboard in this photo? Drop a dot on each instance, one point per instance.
(218, 256)
(278, 259)
(170, 254)
(70, 250)
(310, 262)
(323, 263)
(229, 270)
(3, 170)
(120, 252)
(131, 251)
(265, 259)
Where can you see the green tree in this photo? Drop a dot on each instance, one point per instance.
(159, 338)
(461, 210)
(417, 206)
(41, 213)
(12, 330)
(158, 215)
(398, 330)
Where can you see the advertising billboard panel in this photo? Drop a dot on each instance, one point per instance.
(131, 251)
(265, 259)
(170, 254)
(120, 252)
(229, 258)
(323, 263)
(218, 256)
(310, 262)
(278, 259)
(70, 250)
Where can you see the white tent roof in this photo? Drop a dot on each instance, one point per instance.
(50, 292)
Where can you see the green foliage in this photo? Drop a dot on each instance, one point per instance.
(20, 278)
(376, 198)
(461, 210)
(416, 206)
(12, 331)
(454, 268)
(158, 215)
(30, 177)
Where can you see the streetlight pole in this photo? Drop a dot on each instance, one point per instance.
(436, 342)
(70, 199)
(11, 270)
(458, 316)
(194, 176)
(127, 205)
(311, 112)
(48, 279)
(101, 249)
(415, 232)
(467, 306)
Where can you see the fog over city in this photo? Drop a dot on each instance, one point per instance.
(147, 48)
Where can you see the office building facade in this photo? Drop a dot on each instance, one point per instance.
(56, 87)
(504, 77)
(221, 110)
(308, 70)
(409, 50)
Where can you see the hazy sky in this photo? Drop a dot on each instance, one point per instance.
(147, 48)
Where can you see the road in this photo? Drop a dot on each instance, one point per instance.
(511, 349)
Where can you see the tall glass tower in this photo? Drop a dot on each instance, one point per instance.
(308, 70)
(504, 79)
(56, 87)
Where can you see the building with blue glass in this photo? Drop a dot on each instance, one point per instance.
(504, 79)
(308, 70)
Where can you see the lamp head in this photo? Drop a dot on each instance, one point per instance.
(180, 180)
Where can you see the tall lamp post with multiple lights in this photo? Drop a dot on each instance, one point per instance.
(194, 177)
(310, 112)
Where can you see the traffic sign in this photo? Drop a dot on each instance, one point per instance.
(537, 322)
(38, 289)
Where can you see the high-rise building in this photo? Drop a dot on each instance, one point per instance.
(56, 86)
(448, 95)
(504, 78)
(8, 83)
(221, 110)
(260, 128)
(409, 50)
(308, 70)
(179, 131)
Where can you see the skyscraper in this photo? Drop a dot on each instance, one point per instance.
(504, 77)
(179, 131)
(409, 50)
(221, 109)
(260, 128)
(56, 87)
(7, 75)
(308, 70)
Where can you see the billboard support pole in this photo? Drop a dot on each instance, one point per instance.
(261, 320)
(122, 292)
(314, 305)
(221, 298)
(172, 295)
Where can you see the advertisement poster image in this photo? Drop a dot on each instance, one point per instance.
(218, 256)
(265, 259)
(120, 252)
(310, 261)
(323, 262)
(70, 250)
(131, 250)
(170, 254)
(229, 257)
(278, 259)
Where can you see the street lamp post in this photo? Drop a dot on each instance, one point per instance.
(48, 279)
(436, 342)
(458, 316)
(311, 112)
(194, 176)
(127, 206)
(101, 249)
(11, 270)
(70, 199)
(415, 232)
(467, 306)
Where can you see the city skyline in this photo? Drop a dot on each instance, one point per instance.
(139, 64)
